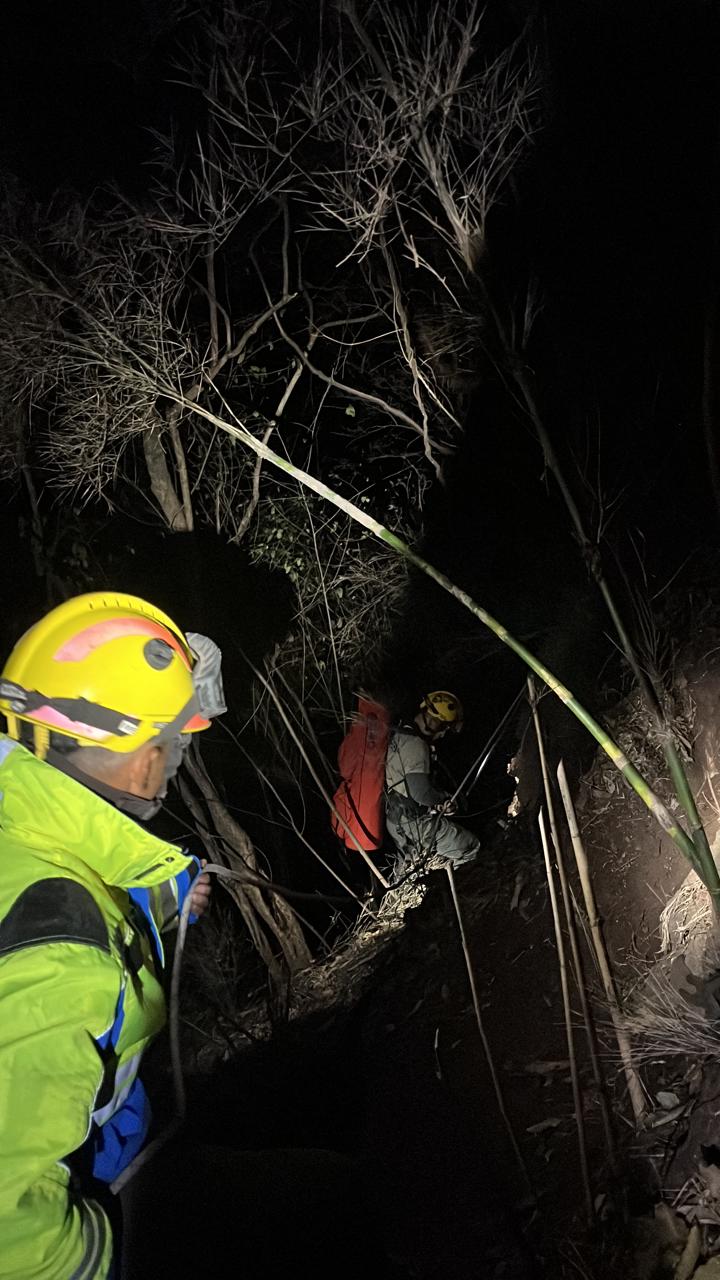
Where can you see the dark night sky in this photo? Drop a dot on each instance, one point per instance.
(81, 82)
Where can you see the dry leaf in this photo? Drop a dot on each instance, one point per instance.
(544, 1125)
(666, 1117)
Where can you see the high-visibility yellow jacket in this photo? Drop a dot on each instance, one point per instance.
(84, 895)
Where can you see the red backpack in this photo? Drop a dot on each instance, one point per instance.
(359, 800)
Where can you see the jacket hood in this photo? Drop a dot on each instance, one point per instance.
(55, 815)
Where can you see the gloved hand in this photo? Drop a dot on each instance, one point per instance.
(207, 675)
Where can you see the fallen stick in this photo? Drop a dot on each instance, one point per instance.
(577, 1097)
(635, 1089)
(572, 936)
(483, 1036)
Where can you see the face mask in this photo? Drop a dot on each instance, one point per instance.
(175, 757)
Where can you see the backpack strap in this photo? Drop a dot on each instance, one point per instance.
(53, 910)
(375, 841)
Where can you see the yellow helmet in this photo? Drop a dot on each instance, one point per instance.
(105, 669)
(444, 706)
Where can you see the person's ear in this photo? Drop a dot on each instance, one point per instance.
(146, 770)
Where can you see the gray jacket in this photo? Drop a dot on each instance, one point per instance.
(409, 768)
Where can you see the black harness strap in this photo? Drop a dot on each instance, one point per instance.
(376, 843)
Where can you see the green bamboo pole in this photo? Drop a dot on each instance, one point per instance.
(679, 777)
(593, 560)
(631, 775)
(705, 867)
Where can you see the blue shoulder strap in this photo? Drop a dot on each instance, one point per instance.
(109, 1038)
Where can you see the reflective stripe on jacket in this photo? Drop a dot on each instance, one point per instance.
(71, 941)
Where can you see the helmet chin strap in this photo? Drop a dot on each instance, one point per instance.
(136, 806)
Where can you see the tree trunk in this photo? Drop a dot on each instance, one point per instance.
(268, 917)
(173, 509)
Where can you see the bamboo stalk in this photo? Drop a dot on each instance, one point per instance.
(706, 863)
(708, 873)
(635, 1089)
(577, 1097)
(645, 682)
(483, 1035)
(577, 963)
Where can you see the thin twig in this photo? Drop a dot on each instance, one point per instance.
(577, 1095)
(483, 1036)
(635, 1089)
(577, 963)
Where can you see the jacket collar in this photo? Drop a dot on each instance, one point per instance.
(57, 816)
